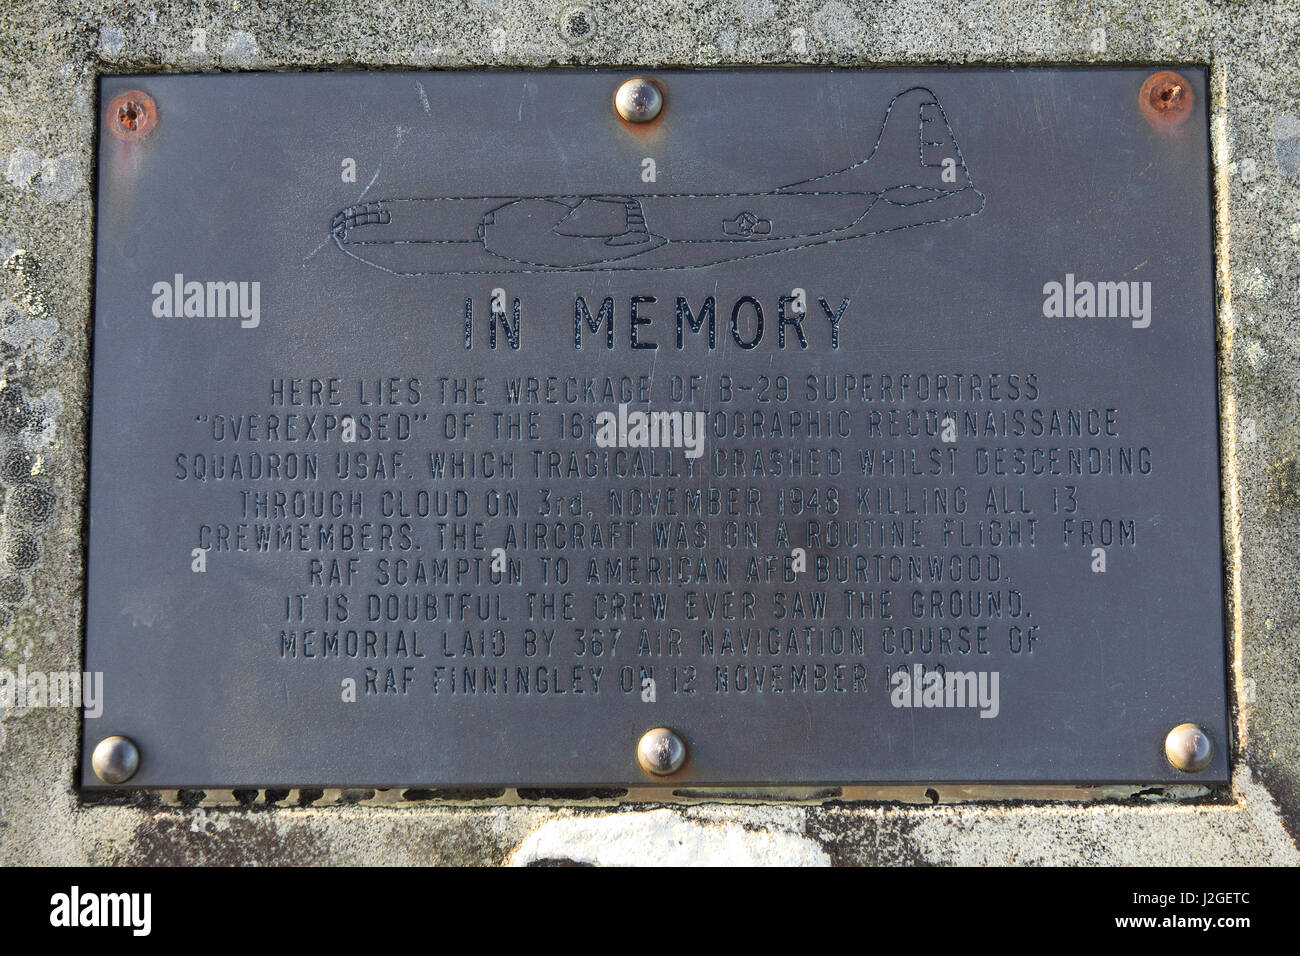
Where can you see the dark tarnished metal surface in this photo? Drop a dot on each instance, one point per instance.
(846, 426)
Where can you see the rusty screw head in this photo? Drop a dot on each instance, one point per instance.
(1166, 99)
(131, 115)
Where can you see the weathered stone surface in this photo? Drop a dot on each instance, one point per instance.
(50, 56)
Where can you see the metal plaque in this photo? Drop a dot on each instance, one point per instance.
(807, 427)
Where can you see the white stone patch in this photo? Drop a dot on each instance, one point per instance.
(81, 102)
(755, 11)
(1288, 127)
(837, 25)
(1249, 170)
(207, 823)
(112, 40)
(667, 838)
(60, 178)
(1254, 353)
(20, 332)
(1286, 132)
(240, 49)
(5, 712)
(50, 406)
(57, 178)
(1253, 283)
(23, 166)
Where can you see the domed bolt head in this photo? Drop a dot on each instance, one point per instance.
(115, 760)
(1188, 748)
(638, 100)
(660, 752)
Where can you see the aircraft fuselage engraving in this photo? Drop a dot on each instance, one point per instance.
(913, 175)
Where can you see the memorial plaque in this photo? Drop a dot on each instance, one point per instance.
(450, 429)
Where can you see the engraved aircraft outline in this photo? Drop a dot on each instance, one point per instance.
(913, 175)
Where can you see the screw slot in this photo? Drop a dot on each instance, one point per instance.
(131, 114)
